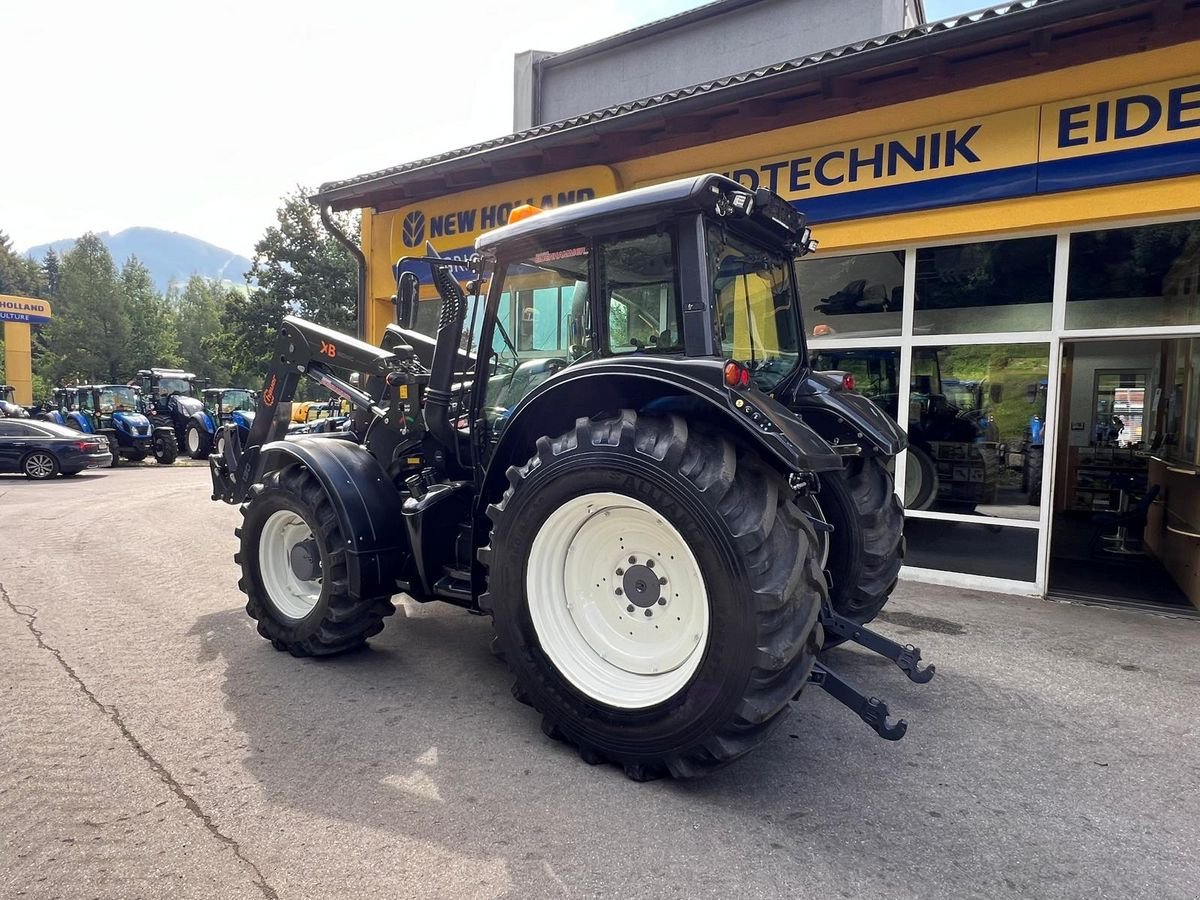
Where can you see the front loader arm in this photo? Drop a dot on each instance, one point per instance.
(307, 350)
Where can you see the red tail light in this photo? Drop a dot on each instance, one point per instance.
(848, 381)
(736, 375)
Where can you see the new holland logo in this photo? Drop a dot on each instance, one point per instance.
(414, 228)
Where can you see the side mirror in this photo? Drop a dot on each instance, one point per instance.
(408, 288)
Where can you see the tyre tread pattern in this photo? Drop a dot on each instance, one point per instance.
(348, 621)
(773, 537)
(881, 523)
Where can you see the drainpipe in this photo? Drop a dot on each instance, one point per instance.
(341, 237)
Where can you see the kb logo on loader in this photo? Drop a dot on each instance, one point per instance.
(414, 228)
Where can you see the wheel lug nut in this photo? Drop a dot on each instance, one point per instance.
(620, 571)
(649, 614)
(662, 601)
(662, 581)
(619, 592)
(632, 560)
(649, 564)
(629, 608)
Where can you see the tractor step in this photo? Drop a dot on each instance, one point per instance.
(905, 656)
(454, 585)
(871, 710)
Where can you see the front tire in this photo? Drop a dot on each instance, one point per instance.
(197, 441)
(165, 447)
(744, 589)
(866, 546)
(300, 597)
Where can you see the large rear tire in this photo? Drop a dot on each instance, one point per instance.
(197, 441)
(660, 653)
(293, 561)
(1032, 480)
(866, 547)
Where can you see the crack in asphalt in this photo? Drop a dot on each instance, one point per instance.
(28, 614)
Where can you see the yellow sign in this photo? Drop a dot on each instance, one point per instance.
(24, 309)
(926, 154)
(1147, 116)
(451, 223)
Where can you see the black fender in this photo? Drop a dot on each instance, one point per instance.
(367, 505)
(841, 416)
(694, 387)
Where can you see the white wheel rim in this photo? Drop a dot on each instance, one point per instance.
(193, 440)
(291, 595)
(221, 445)
(625, 659)
(914, 478)
(40, 465)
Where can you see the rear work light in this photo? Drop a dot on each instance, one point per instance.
(736, 375)
(848, 381)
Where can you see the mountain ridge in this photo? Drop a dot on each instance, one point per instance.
(171, 256)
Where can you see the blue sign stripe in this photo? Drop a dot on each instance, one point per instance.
(1052, 176)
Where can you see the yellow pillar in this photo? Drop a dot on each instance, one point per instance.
(18, 360)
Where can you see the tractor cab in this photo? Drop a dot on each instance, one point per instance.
(219, 406)
(9, 408)
(170, 398)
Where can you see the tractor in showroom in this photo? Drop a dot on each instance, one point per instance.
(615, 447)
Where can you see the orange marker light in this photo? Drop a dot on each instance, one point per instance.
(733, 373)
(524, 211)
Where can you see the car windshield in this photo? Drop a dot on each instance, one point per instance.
(757, 316)
(117, 399)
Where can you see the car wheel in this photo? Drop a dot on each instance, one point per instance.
(40, 465)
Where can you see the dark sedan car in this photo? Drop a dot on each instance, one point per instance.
(42, 449)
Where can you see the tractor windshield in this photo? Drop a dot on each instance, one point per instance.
(237, 401)
(117, 399)
(756, 306)
(168, 386)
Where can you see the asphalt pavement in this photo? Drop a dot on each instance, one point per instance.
(152, 745)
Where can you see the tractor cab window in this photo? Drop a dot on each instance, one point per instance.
(85, 401)
(757, 318)
(118, 399)
(168, 386)
(541, 327)
(237, 401)
(641, 295)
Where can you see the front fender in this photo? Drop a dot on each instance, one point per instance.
(693, 387)
(843, 417)
(368, 507)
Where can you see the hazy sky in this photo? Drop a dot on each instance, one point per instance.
(198, 116)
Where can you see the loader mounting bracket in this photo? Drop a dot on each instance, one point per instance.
(871, 710)
(905, 656)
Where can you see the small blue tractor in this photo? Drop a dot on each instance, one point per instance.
(221, 406)
(113, 410)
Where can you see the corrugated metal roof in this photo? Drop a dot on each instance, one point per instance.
(963, 24)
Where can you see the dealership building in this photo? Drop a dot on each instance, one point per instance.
(1008, 208)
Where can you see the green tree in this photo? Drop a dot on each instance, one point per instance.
(152, 339)
(198, 311)
(19, 275)
(89, 334)
(304, 268)
(246, 337)
(52, 273)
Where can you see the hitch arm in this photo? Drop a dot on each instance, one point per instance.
(871, 710)
(905, 656)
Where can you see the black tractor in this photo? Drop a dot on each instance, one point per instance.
(170, 398)
(615, 447)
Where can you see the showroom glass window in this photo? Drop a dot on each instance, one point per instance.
(852, 296)
(1129, 277)
(986, 286)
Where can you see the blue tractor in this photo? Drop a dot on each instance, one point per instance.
(114, 410)
(220, 406)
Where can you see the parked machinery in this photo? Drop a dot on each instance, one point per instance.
(113, 410)
(170, 397)
(219, 406)
(9, 407)
(665, 511)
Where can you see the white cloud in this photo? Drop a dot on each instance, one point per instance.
(197, 117)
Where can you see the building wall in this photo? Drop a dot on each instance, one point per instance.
(746, 37)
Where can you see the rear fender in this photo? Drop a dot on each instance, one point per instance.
(690, 387)
(843, 417)
(367, 505)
